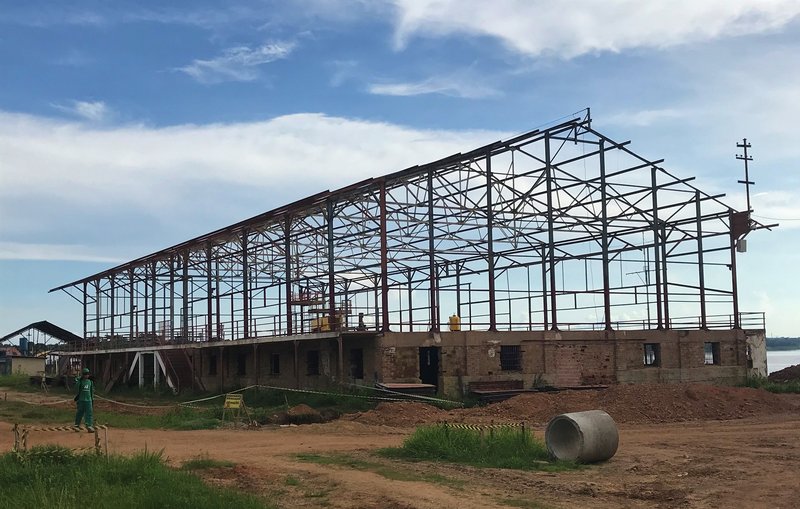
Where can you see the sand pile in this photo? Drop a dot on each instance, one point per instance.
(625, 403)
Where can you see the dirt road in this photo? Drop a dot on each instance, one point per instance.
(738, 463)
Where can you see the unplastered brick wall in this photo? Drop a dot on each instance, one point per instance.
(533, 357)
(571, 362)
(400, 363)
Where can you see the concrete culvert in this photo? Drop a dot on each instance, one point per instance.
(585, 437)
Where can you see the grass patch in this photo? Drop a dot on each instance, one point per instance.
(342, 401)
(55, 477)
(502, 448)
(205, 462)
(179, 418)
(291, 481)
(791, 387)
(21, 383)
(389, 472)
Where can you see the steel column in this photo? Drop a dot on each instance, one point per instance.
(604, 237)
(665, 280)
(550, 232)
(171, 298)
(700, 265)
(545, 313)
(153, 299)
(85, 311)
(146, 299)
(329, 218)
(431, 257)
(656, 247)
(490, 245)
(734, 286)
(287, 246)
(131, 312)
(112, 281)
(245, 287)
(186, 304)
(384, 262)
(410, 302)
(211, 288)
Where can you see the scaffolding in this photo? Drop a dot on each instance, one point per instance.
(558, 228)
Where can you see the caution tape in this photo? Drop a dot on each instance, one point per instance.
(412, 396)
(406, 397)
(60, 428)
(323, 393)
(479, 427)
(40, 403)
(49, 452)
(135, 405)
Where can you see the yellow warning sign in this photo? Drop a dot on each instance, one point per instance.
(233, 401)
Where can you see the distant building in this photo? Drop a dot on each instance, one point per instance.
(18, 365)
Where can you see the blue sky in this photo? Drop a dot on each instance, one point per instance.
(126, 127)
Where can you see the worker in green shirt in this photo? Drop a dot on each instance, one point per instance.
(84, 396)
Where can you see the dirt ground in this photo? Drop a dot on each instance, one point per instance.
(748, 462)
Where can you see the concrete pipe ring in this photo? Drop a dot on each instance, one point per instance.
(585, 437)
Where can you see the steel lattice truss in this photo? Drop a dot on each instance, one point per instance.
(557, 228)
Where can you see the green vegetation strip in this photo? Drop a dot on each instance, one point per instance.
(55, 477)
(388, 471)
(180, 418)
(499, 448)
(783, 344)
(792, 386)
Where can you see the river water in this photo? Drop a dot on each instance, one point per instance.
(777, 360)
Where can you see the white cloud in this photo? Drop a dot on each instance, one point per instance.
(237, 64)
(781, 207)
(93, 111)
(51, 252)
(577, 27)
(74, 58)
(124, 184)
(644, 118)
(343, 71)
(450, 86)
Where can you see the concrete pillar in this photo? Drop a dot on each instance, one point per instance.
(220, 369)
(256, 364)
(341, 359)
(140, 365)
(296, 365)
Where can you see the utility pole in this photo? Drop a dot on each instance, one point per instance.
(747, 182)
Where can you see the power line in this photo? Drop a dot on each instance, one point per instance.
(778, 218)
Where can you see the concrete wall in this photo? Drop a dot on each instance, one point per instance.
(546, 358)
(567, 358)
(756, 345)
(26, 365)
(257, 363)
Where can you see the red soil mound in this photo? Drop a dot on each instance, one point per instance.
(625, 403)
(640, 404)
(401, 413)
(786, 374)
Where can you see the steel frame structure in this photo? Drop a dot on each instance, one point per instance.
(560, 227)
